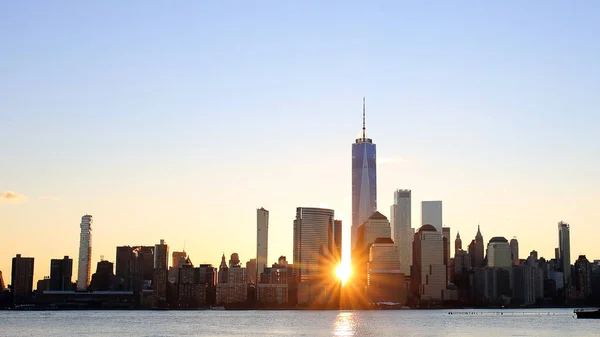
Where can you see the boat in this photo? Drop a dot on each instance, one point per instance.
(587, 313)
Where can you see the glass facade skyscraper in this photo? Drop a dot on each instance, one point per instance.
(364, 180)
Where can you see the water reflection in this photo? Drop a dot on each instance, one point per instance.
(345, 324)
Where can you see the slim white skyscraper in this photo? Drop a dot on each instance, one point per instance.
(401, 228)
(431, 214)
(85, 253)
(262, 241)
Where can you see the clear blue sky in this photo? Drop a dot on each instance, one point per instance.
(177, 120)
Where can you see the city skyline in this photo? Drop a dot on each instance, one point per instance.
(164, 141)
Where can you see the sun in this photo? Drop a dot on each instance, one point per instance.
(343, 272)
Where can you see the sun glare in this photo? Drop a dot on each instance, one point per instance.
(343, 272)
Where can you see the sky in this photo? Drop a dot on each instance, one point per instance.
(177, 120)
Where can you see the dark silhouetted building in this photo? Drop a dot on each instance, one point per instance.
(61, 272)
(232, 285)
(22, 278)
(104, 278)
(2, 285)
(161, 268)
(582, 277)
(134, 267)
(208, 276)
(564, 253)
(446, 239)
(337, 241)
(191, 293)
(252, 272)
(476, 250)
(457, 243)
(273, 285)
(43, 285)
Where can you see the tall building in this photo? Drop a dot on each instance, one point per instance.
(253, 274)
(22, 278)
(428, 275)
(476, 250)
(385, 280)
(223, 270)
(262, 242)
(564, 251)
(103, 278)
(2, 285)
(582, 277)
(161, 267)
(314, 262)
(402, 231)
(134, 267)
(176, 258)
(457, 243)
(431, 214)
(337, 240)
(376, 227)
(528, 281)
(514, 251)
(61, 272)
(84, 270)
(312, 237)
(446, 240)
(364, 180)
(232, 283)
(498, 253)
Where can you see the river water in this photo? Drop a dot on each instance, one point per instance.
(543, 322)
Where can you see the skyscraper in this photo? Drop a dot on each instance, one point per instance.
(376, 227)
(446, 240)
(476, 249)
(428, 275)
(176, 258)
(262, 242)
(364, 180)
(161, 267)
(312, 238)
(498, 253)
(402, 232)
(84, 270)
(134, 265)
(431, 214)
(22, 278)
(514, 251)
(457, 243)
(2, 285)
(564, 251)
(337, 240)
(61, 272)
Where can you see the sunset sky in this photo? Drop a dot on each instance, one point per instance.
(177, 120)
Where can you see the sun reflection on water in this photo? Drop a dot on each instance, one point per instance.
(344, 324)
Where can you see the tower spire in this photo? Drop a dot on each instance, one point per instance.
(364, 129)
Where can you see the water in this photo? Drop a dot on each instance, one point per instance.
(543, 322)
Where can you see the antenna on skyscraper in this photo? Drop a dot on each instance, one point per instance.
(364, 127)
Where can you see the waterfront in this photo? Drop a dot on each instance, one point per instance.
(531, 322)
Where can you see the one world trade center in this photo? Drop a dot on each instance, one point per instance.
(364, 180)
